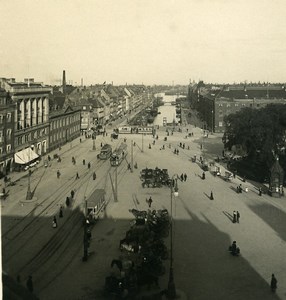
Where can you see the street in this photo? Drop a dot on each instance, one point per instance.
(203, 228)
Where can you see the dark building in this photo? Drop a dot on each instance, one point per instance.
(214, 102)
(7, 121)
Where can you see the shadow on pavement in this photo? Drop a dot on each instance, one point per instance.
(203, 267)
(273, 216)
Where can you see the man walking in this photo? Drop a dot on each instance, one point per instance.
(77, 176)
(29, 284)
(185, 177)
(273, 283)
(234, 217)
(150, 201)
(237, 216)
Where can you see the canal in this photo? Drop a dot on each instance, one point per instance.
(167, 111)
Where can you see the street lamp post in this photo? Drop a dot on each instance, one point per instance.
(212, 121)
(29, 195)
(171, 283)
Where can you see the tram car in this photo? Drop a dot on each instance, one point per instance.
(125, 129)
(95, 205)
(105, 152)
(118, 155)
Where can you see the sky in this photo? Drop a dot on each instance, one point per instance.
(143, 41)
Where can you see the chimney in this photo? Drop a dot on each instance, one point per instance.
(64, 82)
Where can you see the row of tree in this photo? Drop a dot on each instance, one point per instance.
(261, 133)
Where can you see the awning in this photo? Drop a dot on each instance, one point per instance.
(25, 156)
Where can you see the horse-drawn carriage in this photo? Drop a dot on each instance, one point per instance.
(143, 264)
(154, 177)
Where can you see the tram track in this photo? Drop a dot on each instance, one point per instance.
(20, 227)
(58, 243)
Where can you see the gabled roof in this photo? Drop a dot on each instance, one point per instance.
(96, 103)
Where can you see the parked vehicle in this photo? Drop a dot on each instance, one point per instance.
(105, 152)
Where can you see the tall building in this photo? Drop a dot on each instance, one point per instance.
(31, 125)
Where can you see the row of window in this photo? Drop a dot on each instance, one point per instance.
(63, 122)
(62, 134)
(238, 104)
(31, 136)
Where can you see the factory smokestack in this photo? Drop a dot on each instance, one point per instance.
(64, 82)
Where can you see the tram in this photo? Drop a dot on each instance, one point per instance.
(145, 130)
(118, 155)
(105, 152)
(125, 129)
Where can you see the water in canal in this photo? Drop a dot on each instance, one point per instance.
(167, 111)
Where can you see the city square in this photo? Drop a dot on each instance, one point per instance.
(143, 150)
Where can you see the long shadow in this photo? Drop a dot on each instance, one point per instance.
(210, 271)
(228, 215)
(40, 179)
(273, 216)
(203, 267)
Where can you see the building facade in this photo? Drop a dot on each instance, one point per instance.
(64, 126)
(215, 102)
(31, 133)
(7, 121)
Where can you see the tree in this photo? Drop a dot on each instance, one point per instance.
(261, 132)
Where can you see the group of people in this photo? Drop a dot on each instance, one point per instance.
(183, 177)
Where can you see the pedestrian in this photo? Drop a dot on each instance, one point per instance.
(237, 216)
(203, 176)
(88, 165)
(83, 161)
(185, 177)
(234, 217)
(29, 284)
(58, 174)
(94, 176)
(76, 176)
(55, 223)
(149, 146)
(184, 146)
(80, 140)
(182, 177)
(150, 201)
(180, 144)
(273, 283)
(177, 151)
(260, 192)
(61, 212)
(72, 194)
(211, 196)
(67, 201)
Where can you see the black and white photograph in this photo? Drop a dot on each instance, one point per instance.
(143, 149)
